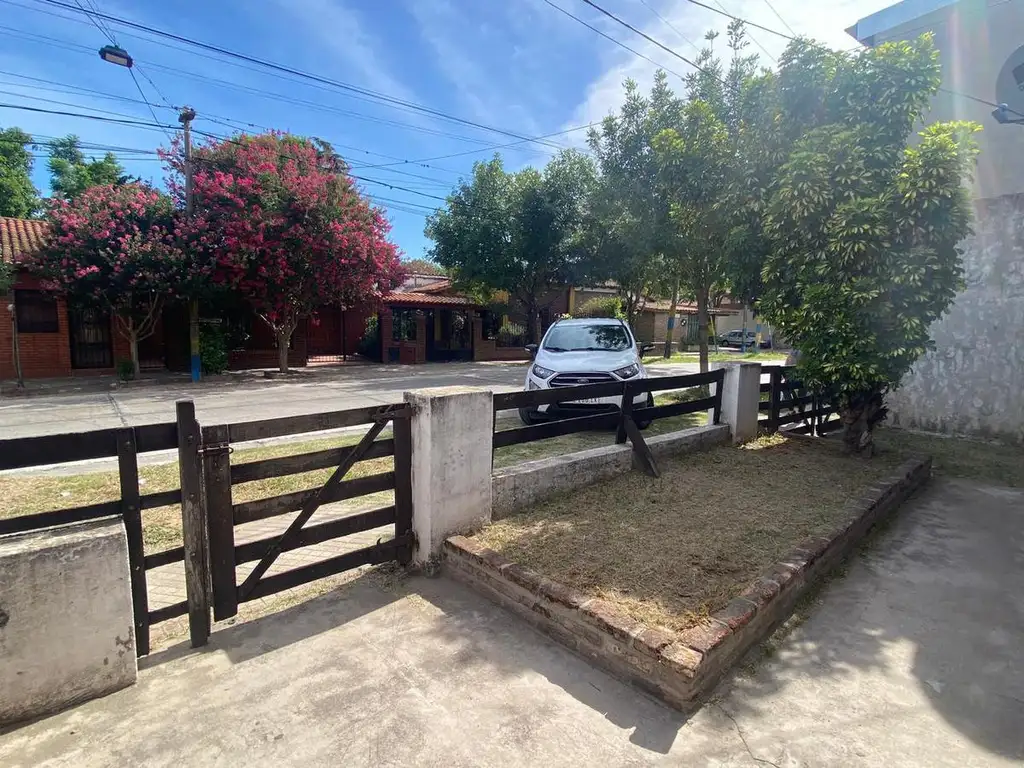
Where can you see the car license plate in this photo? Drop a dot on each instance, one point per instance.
(587, 401)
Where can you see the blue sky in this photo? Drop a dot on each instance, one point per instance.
(517, 65)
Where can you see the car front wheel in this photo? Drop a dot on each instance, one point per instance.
(529, 417)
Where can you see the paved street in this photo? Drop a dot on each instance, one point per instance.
(227, 402)
(910, 659)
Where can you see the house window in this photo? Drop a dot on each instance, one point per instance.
(403, 325)
(36, 311)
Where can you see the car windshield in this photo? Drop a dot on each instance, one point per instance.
(586, 338)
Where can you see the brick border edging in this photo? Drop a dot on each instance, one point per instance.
(678, 667)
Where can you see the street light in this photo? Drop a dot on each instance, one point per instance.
(116, 55)
(1002, 115)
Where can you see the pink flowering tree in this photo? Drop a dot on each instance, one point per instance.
(116, 247)
(278, 219)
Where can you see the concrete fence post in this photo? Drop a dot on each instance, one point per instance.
(741, 392)
(67, 633)
(452, 431)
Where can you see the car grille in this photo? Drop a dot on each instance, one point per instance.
(580, 379)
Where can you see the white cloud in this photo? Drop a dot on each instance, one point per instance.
(448, 32)
(337, 29)
(824, 22)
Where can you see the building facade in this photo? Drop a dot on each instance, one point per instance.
(973, 381)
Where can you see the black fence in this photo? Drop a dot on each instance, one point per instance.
(209, 514)
(126, 444)
(788, 406)
(623, 416)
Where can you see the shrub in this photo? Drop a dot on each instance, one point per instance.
(213, 348)
(369, 344)
(125, 370)
(601, 306)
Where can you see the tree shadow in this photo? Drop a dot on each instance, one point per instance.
(243, 640)
(927, 603)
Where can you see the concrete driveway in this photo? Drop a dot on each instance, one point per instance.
(912, 659)
(223, 402)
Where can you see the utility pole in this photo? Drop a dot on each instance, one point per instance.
(185, 117)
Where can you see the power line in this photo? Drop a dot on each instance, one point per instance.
(779, 17)
(612, 39)
(291, 71)
(670, 25)
(645, 36)
(752, 38)
(316, 106)
(774, 32)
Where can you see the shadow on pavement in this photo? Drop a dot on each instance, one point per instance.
(499, 643)
(928, 601)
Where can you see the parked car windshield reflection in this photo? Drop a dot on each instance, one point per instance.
(587, 338)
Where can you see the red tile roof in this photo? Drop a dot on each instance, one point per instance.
(431, 299)
(440, 285)
(20, 237)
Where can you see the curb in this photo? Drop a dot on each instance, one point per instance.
(680, 668)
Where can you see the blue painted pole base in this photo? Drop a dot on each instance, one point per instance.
(197, 368)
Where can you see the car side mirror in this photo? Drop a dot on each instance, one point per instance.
(531, 349)
(645, 348)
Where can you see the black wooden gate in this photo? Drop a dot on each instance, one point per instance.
(223, 515)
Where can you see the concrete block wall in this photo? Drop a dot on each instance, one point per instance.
(66, 628)
(517, 487)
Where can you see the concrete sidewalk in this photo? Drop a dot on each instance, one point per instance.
(912, 659)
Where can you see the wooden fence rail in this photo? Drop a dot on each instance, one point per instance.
(790, 403)
(623, 416)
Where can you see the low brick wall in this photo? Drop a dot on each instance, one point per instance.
(679, 668)
(516, 487)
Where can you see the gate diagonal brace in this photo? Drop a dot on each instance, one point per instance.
(314, 503)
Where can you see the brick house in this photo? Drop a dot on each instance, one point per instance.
(55, 338)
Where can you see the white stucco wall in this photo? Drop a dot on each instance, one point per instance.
(66, 629)
(973, 382)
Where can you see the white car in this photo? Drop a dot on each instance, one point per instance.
(584, 351)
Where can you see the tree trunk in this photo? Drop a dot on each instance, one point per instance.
(859, 417)
(284, 339)
(535, 327)
(133, 346)
(671, 320)
(702, 327)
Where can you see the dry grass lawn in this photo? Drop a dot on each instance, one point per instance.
(669, 551)
(161, 528)
(26, 494)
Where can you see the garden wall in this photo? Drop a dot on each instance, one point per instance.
(677, 667)
(972, 381)
(519, 486)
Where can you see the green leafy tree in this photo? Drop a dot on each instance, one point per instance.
(71, 173)
(523, 233)
(862, 226)
(630, 216)
(695, 159)
(18, 196)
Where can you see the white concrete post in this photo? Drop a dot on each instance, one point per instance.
(741, 392)
(452, 430)
(66, 626)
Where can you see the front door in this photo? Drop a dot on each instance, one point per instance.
(90, 338)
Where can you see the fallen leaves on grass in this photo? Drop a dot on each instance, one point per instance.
(671, 550)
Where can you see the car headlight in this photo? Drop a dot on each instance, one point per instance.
(541, 372)
(628, 372)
